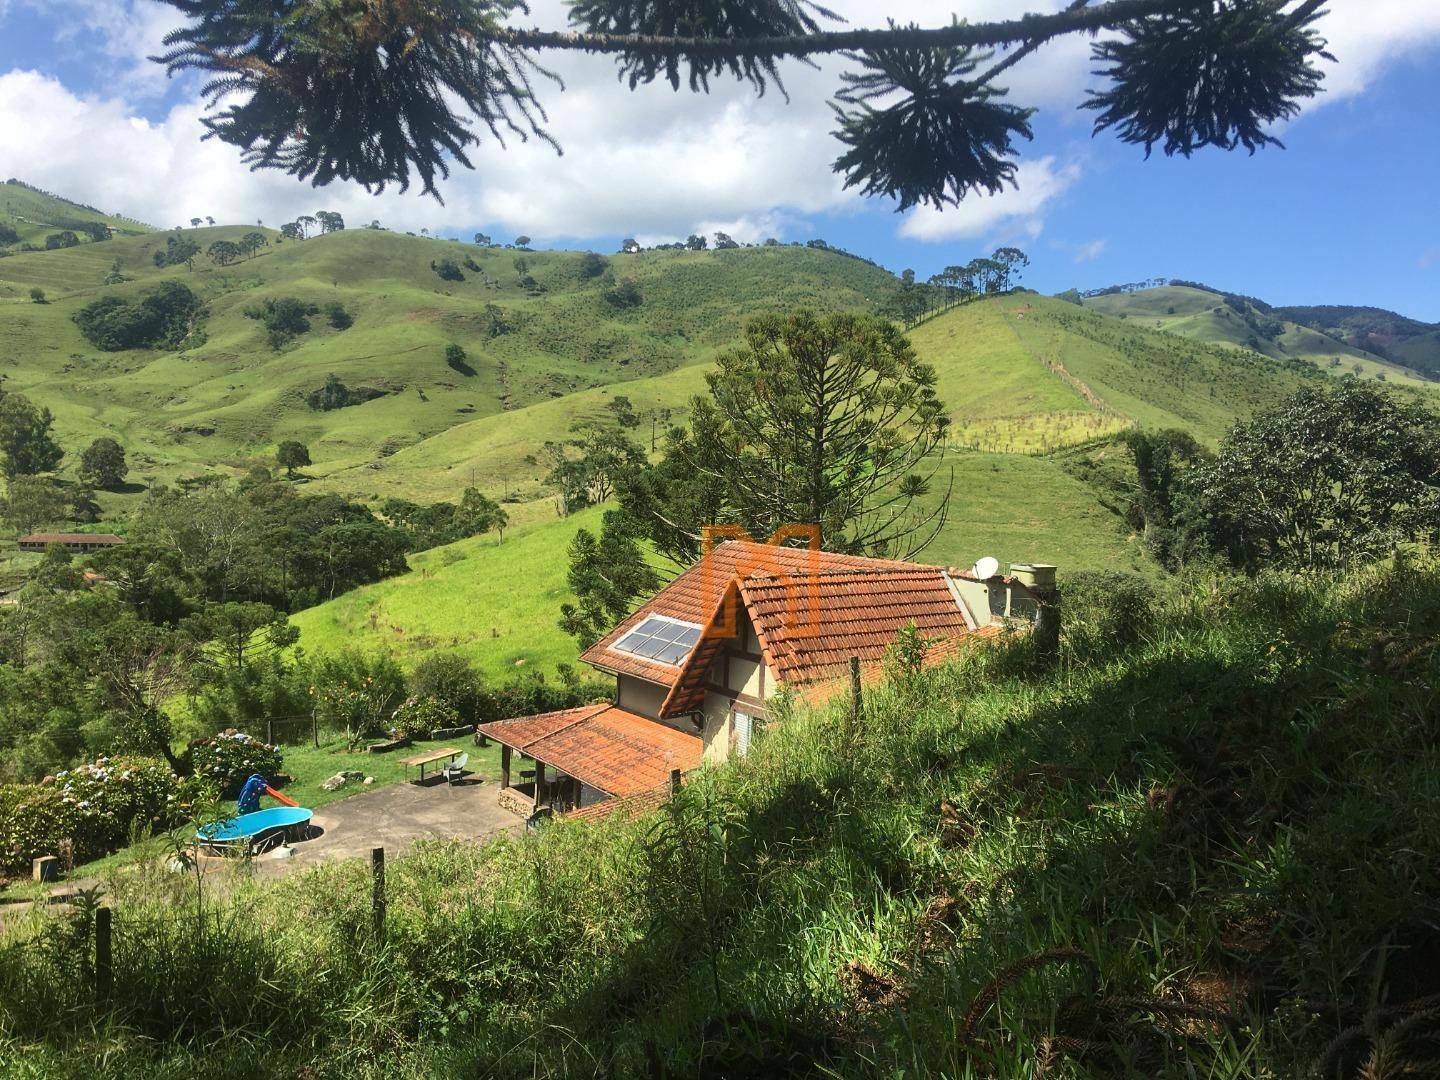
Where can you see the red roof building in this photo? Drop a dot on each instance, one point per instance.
(72, 542)
(695, 665)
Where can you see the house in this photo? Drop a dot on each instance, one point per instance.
(695, 665)
(75, 543)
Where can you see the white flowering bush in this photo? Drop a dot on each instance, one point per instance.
(225, 762)
(94, 807)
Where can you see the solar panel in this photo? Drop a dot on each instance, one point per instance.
(663, 640)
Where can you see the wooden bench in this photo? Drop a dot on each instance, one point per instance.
(430, 757)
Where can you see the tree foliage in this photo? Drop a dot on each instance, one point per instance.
(823, 420)
(164, 318)
(375, 91)
(1335, 475)
(26, 445)
(291, 455)
(103, 465)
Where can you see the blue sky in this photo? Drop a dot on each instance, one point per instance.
(1346, 214)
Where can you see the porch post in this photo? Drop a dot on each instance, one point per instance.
(504, 766)
(539, 783)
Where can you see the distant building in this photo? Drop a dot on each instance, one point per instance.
(76, 543)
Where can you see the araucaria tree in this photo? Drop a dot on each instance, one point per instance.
(828, 420)
(1336, 475)
(378, 91)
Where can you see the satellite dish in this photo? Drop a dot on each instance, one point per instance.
(986, 568)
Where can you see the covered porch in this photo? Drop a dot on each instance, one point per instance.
(577, 758)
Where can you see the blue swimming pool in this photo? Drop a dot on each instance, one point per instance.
(248, 826)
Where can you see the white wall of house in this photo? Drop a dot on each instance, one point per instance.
(739, 681)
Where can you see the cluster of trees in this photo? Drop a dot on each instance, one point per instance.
(29, 457)
(8, 234)
(955, 285)
(336, 395)
(444, 523)
(1338, 474)
(225, 252)
(327, 221)
(826, 420)
(192, 619)
(286, 317)
(164, 318)
(178, 249)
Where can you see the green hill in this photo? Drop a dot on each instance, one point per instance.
(1395, 337)
(1205, 316)
(35, 214)
(533, 334)
(1021, 373)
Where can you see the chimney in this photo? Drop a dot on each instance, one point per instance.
(1034, 597)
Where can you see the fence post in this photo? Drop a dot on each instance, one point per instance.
(270, 732)
(315, 727)
(377, 868)
(674, 781)
(855, 701)
(104, 971)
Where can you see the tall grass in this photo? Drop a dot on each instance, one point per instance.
(1202, 844)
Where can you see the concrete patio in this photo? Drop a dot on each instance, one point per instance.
(394, 817)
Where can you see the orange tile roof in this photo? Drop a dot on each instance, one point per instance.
(693, 596)
(628, 807)
(604, 746)
(810, 626)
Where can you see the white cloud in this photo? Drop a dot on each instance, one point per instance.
(654, 164)
(1367, 38)
(1018, 210)
(1092, 250)
(1428, 258)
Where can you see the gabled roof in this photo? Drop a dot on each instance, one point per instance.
(810, 625)
(604, 746)
(694, 596)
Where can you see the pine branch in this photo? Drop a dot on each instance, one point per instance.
(1028, 28)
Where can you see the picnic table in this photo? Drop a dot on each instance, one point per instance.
(430, 757)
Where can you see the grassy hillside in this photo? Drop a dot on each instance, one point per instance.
(1203, 316)
(1398, 338)
(36, 214)
(491, 600)
(233, 398)
(1200, 846)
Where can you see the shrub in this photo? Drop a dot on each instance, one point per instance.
(37, 295)
(625, 293)
(452, 680)
(1106, 611)
(284, 317)
(355, 692)
(95, 807)
(229, 759)
(448, 269)
(339, 318)
(416, 718)
(8, 235)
